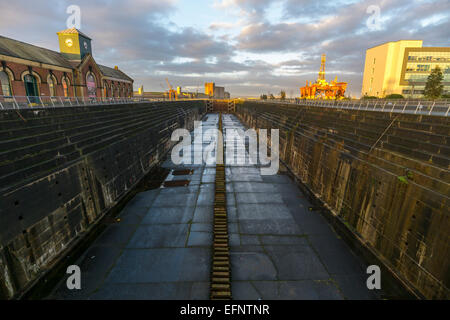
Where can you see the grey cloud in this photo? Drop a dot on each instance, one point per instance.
(139, 36)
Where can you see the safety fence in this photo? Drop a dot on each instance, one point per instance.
(22, 102)
(438, 107)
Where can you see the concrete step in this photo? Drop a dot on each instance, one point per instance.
(73, 134)
(25, 129)
(29, 167)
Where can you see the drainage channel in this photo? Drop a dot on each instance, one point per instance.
(221, 269)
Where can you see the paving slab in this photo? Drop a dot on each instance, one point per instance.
(161, 246)
(286, 251)
(160, 236)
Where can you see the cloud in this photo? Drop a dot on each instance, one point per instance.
(250, 46)
(221, 25)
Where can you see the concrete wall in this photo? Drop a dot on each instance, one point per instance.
(62, 169)
(390, 191)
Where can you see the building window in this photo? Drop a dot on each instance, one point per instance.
(31, 87)
(91, 87)
(105, 89)
(423, 67)
(5, 83)
(65, 84)
(51, 86)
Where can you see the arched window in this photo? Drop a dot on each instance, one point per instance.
(65, 84)
(5, 83)
(112, 90)
(105, 89)
(51, 85)
(31, 87)
(91, 86)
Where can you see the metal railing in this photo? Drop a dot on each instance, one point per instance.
(438, 107)
(21, 102)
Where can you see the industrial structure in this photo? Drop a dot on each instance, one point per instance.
(213, 91)
(321, 89)
(172, 93)
(402, 67)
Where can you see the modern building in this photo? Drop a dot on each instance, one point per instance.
(402, 67)
(28, 70)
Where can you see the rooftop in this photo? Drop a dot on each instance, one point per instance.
(22, 50)
(17, 49)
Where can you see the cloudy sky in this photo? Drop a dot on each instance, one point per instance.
(249, 46)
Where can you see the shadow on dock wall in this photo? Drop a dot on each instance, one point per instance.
(384, 176)
(62, 169)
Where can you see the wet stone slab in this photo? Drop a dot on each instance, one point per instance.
(285, 251)
(161, 248)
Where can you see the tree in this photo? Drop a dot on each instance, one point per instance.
(263, 97)
(434, 87)
(283, 95)
(271, 97)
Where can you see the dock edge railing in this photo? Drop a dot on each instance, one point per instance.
(423, 107)
(23, 102)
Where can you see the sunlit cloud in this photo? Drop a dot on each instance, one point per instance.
(251, 46)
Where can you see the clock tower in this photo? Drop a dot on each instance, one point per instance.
(73, 44)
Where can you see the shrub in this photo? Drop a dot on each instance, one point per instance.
(394, 96)
(369, 97)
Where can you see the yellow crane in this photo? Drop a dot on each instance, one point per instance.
(172, 93)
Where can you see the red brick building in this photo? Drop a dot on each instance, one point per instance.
(28, 70)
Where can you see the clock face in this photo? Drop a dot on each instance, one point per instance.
(69, 42)
(85, 45)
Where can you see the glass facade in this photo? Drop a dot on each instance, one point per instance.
(420, 65)
(418, 68)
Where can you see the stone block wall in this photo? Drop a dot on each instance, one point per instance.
(384, 175)
(62, 169)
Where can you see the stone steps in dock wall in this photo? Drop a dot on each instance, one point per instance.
(390, 197)
(63, 168)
